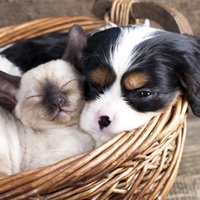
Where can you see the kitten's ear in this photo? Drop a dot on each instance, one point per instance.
(8, 88)
(77, 40)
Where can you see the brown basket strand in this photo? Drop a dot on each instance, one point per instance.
(140, 164)
(175, 170)
(124, 11)
(45, 26)
(120, 11)
(174, 165)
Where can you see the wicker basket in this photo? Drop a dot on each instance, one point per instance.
(140, 164)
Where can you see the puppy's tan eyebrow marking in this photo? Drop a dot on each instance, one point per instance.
(102, 76)
(134, 80)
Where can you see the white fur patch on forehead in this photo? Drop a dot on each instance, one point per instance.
(130, 37)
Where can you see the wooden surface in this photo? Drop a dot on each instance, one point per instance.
(187, 185)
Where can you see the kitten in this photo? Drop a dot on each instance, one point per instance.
(44, 127)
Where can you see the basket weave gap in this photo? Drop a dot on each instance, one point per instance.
(105, 195)
(154, 133)
(79, 192)
(103, 187)
(155, 175)
(134, 185)
(174, 120)
(169, 170)
(181, 137)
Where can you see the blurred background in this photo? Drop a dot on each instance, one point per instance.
(187, 185)
(18, 11)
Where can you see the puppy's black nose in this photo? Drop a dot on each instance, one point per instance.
(104, 121)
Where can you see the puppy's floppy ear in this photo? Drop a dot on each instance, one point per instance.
(77, 40)
(8, 88)
(193, 91)
(189, 73)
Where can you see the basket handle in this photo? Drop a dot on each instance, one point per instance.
(124, 11)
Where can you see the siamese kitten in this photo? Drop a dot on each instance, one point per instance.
(43, 128)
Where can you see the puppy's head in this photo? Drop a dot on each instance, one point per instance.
(133, 73)
(49, 96)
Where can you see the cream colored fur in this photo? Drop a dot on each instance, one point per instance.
(31, 139)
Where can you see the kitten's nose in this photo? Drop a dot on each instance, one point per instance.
(104, 121)
(58, 101)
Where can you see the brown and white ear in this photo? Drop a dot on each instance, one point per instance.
(77, 41)
(8, 88)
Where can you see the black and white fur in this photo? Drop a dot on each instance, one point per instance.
(170, 63)
(22, 56)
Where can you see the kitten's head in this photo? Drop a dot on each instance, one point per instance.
(49, 96)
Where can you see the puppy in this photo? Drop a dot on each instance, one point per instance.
(133, 73)
(44, 128)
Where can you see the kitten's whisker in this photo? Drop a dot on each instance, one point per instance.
(76, 101)
(65, 110)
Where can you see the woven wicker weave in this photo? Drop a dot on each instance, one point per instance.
(140, 164)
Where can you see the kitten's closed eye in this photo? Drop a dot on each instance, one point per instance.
(34, 96)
